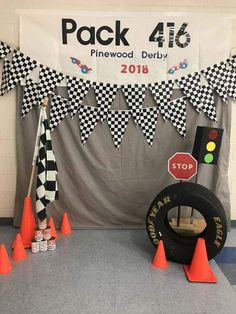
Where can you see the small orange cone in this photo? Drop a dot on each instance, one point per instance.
(199, 270)
(19, 253)
(53, 229)
(159, 260)
(27, 223)
(65, 225)
(5, 265)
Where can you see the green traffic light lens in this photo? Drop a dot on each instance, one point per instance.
(208, 158)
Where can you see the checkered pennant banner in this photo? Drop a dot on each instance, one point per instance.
(6, 72)
(217, 78)
(232, 61)
(46, 189)
(48, 81)
(134, 96)
(148, 122)
(105, 95)
(177, 111)
(162, 93)
(231, 79)
(30, 97)
(208, 102)
(117, 121)
(59, 109)
(77, 91)
(88, 117)
(4, 50)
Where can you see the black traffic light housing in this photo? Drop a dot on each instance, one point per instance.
(207, 144)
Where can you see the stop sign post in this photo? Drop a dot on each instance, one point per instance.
(182, 166)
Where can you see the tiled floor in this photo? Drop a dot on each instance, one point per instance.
(107, 272)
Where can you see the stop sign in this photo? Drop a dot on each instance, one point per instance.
(182, 166)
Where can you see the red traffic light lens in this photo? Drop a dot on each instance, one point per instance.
(213, 134)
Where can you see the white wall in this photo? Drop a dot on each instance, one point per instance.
(9, 33)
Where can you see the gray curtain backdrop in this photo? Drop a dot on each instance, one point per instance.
(104, 188)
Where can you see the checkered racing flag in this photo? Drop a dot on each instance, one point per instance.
(19, 68)
(232, 61)
(231, 78)
(105, 95)
(6, 72)
(208, 102)
(4, 50)
(134, 95)
(46, 190)
(30, 97)
(177, 111)
(162, 93)
(88, 117)
(148, 122)
(117, 121)
(77, 91)
(59, 109)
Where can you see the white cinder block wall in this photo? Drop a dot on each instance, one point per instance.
(9, 32)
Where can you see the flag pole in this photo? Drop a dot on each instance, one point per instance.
(44, 105)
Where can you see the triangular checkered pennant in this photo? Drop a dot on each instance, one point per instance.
(117, 121)
(30, 97)
(217, 77)
(162, 93)
(77, 91)
(134, 96)
(6, 73)
(231, 79)
(148, 122)
(4, 50)
(59, 109)
(232, 61)
(177, 111)
(105, 95)
(89, 117)
(48, 81)
(208, 102)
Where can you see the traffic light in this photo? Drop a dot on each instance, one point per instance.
(207, 144)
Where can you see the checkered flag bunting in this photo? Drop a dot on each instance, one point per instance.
(177, 111)
(105, 95)
(217, 77)
(88, 117)
(30, 97)
(231, 79)
(162, 93)
(208, 102)
(6, 72)
(48, 81)
(134, 96)
(46, 189)
(117, 121)
(59, 109)
(148, 122)
(77, 91)
(232, 61)
(4, 50)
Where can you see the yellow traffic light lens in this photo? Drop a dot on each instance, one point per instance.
(208, 158)
(210, 146)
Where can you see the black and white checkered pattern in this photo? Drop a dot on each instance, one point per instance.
(134, 96)
(48, 81)
(77, 91)
(216, 76)
(208, 102)
(177, 111)
(59, 109)
(162, 93)
(231, 79)
(6, 73)
(105, 94)
(4, 50)
(148, 122)
(232, 61)
(30, 97)
(88, 117)
(117, 121)
(46, 190)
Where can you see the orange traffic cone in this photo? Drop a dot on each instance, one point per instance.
(19, 253)
(5, 265)
(159, 260)
(65, 226)
(53, 229)
(199, 270)
(27, 223)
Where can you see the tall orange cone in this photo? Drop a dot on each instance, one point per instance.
(19, 253)
(65, 226)
(159, 260)
(53, 229)
(5, 265)
(199, 270)
(27, 223)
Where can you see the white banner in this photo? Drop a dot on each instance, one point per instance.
(125, 48)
